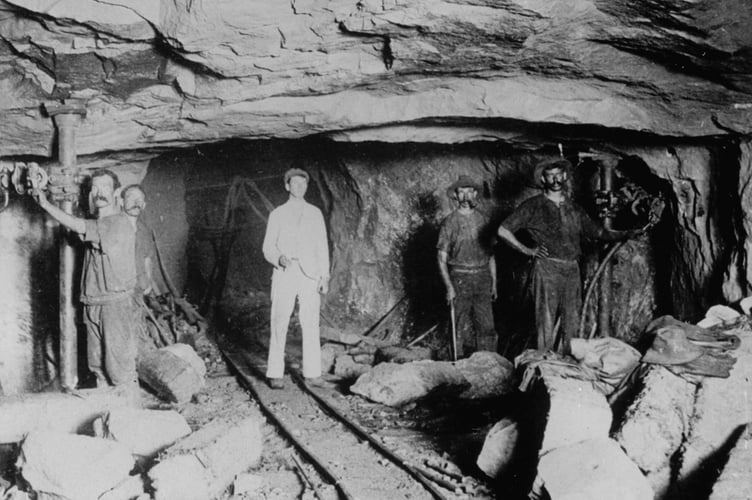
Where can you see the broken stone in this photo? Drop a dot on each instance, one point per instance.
(68, 413)
(396, 354)
(346, 367)
(13, 493)
(130, 488)
(398, 384)
(174, 372)
(592, 470)
(144, 432)
(328, 354)
(734, 482)
(364, 359)
(720, 410)
(72, 466)
(655, 424)
(498, 449)
(489, 374)
(576, 410)
(247, 483)
(203, 464)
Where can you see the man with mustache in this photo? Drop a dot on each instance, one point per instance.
(107, 280)
(468, 269)
(556, 225)
(134, 203)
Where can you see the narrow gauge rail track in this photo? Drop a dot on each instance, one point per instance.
(369, 470)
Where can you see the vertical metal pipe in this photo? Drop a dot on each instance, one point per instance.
(604, 299)
(66, 142)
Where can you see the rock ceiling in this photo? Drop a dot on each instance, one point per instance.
(157, 74)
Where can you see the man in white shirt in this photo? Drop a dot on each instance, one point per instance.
(296, 245)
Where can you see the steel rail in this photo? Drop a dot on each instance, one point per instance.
(247, 378)
(364, 434)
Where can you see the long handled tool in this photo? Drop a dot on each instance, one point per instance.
(454, 330)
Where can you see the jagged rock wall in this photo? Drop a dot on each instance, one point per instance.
(170, 73)
(703, 212)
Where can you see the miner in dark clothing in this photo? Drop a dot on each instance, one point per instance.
(556, 224)
(107, 281)
(468, 269)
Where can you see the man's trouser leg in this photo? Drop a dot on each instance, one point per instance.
(119, 333)
(486, 337)
(570, 304)
(94, 343)
(545, 301)
(463, 305)
(283, 293)
(310, 303)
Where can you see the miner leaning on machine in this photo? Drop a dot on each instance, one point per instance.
(296, 245)
(468, 270)
(556, 224)
(107, 281)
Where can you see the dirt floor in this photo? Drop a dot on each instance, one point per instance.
(438, 429)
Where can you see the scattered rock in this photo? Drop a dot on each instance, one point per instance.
(68, 413)
(499, 447)
(329, 352)
(489, 374)
(132, 487)
(576, 411)
(144, 432)
(203, 464)
(396, 354)
(655, 424)
(71, 466)
(346, 367)
(174, 372)
(720, 410)
(247, 483)
(592, 470)
(364, 359)
(398, 384)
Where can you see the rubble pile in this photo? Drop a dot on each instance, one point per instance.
(683, 435)
(122, 443)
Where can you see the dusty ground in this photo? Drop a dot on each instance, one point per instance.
(433, 429)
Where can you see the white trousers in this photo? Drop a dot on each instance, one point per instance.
(287, 285)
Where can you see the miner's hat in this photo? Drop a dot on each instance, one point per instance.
(296, 172)
(561, 163)
(671, 347)
(464, 181)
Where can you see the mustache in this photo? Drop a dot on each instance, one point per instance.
(100, 198)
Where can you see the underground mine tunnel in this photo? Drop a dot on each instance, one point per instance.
(494, 147)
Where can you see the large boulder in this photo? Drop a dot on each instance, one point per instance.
(73, 467)
(592, 470)
(656, 423)
(144, 432)
(397, 384)
(174, 372)
(203, 464)
(572, 410)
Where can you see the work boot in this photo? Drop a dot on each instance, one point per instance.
(276, 383)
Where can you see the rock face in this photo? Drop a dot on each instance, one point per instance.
(170, 73)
